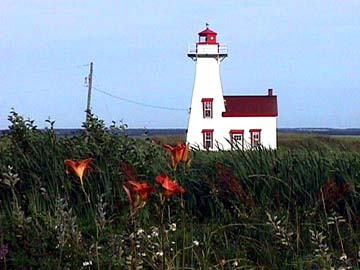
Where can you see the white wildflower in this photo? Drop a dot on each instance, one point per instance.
(160, 253)
(155, 232)
(173, 227)
(88, 263)
(343, 257)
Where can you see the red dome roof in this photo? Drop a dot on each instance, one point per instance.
(206, 32)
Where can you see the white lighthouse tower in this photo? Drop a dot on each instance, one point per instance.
(207, 101)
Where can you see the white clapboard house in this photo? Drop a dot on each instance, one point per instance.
(221, 121)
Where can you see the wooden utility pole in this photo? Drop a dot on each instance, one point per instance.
(88, 110)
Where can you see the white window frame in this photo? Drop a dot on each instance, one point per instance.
(208, 138)
(237, 141)
(207, 107)
(255, 135)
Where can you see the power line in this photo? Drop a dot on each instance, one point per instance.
(137, 102)
(103, 97)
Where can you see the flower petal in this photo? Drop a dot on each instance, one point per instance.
(79, 167)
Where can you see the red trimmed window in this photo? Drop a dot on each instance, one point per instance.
(255, 135)
(207, 107)
(208, 138)
(237, 138)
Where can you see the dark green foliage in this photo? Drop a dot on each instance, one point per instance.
(242, 210)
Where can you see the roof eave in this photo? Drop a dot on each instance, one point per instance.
(227, 114)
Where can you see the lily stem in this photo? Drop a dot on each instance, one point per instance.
(163, 200)
(86, 195)
(183, 231)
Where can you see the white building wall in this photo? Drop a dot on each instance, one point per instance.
(266, 124)
(222, 127)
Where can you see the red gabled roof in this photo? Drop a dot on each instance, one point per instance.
(206, 32)
(247, 106)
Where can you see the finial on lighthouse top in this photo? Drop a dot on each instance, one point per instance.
(207, 36)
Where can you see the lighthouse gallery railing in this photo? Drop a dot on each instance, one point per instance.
(221, 49)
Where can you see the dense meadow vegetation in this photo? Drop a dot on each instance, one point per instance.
(139, 205)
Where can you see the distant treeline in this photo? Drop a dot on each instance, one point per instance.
(132, 132)
(137, 132)
(323, 131)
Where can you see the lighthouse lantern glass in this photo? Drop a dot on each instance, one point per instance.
(202, 39)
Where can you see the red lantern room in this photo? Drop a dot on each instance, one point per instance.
(207, 46)
(207, 36)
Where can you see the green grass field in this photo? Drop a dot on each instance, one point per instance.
(293, 141)
(297, 207)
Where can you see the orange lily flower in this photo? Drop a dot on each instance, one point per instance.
(138, 194)
(171, 187)
(79, 167)
(179, 153)
(144, 189)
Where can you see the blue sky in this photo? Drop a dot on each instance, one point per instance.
(307, 51)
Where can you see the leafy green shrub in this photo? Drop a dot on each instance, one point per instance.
(292, 208)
